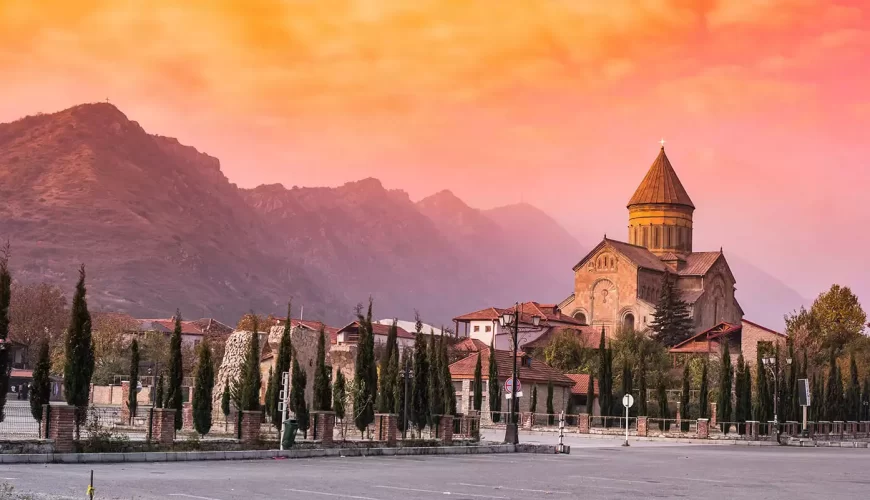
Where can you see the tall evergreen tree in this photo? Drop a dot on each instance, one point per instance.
(322, 398)
(203, 390)
(339, 393)
(174, 399)
(269, 403)
(446, 379)
(403, 393)
(282, 366)
(590, 393)
(605, 394)
(249, 381)
(662, 396)
(5, 299)
(158, 392)
(78, 365)
(550, 410)
(724, 409)
(133, 393)
(865, 401)
(704, 391)
(40, 393)
(298, 404)
(365, 374)
(225, 403)
(791, 410)
(763, 407)
(739, 387)
(834, 391)
(642, 409)
(419, 403)
(853, 393)
(672, 320)
(747, 392)
(533, 405)
(478, 385)
(627, 383)
(817, 400)
(386, 394)
(494, 386)
(436, 389)
(684, 399)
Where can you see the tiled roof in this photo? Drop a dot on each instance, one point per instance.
(469, 345)
(547, 313)
(379, 329)
(587, 335)
(698, 263)
(538, 372)
(639, 255)
(581, 383)
(691, 296)
(705, 341)
(331, 332)
(661, 185)
(490, 313)
(196, 327)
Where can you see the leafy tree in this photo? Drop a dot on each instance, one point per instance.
(158, 392)
(704, 391)
(839, 316)
(565, 352)
(740, 411)
(446, 379)
(202, 392)
(339, 395)
(322, 398)
(478, 385)
(550, 410)
(672, 320)
(684, 399)
(365, 375)
(79, 353)
(853, 393)
(533, 405)
(282, 366)
(834, 407)
(40, 393)
(249, 380)
(5, 299)
(386, 394)
(297, 397)
(725, 382)
(436, 388)
(132, 398)
(176, 375)
(420, 399)
(494, 386)
(38, 314)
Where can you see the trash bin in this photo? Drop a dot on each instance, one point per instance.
(289, 430)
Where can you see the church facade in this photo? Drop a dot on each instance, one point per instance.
(618, 283)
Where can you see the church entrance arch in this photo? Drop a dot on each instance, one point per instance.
(628, 321)
(581, 317)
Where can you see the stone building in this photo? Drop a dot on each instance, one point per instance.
(618, 283)
(484, 325)
(746, 337)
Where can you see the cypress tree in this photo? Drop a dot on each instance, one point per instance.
(79, 350)
(590, 394)
(202, 392)
(762, 399)
(5, 299)
(282, 365)
(747, 393)
(704, 391)
(396, 385)
(853, 398)
(642, 409)
(605, 396)
(739, 388)
(297, 397)
(339, 394)
(789, 396)
(365, 375)
(684, 399)
(40, 393)
(419, 413)
(176, 376)
(225, 403)
(817, 400)
(725, 382)
(446, 379)
(436, 389)
(401, 394)
(158, 392)
(132, 397)
(494, 386)
(478, 384)
(322, 398)
(268, 404)
(662, 396)
(386, 395)
(834, 391)
(865, 401)
(249, 383)
(533, 406)
(672, 321)
(626, 383)
(550, 410)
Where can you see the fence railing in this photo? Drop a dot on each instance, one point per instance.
(18, 423)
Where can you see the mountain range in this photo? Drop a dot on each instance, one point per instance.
(159, 228)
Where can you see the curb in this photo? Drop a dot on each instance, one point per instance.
(86, 458)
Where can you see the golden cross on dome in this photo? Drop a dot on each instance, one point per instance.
(662, 142)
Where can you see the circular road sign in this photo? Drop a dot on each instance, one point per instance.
(508, 386)
(628, 401)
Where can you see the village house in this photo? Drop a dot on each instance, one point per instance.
(580, 400)
(192, 332)
(746, 338)
(484, 325)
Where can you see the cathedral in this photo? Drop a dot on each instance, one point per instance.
(618, 283)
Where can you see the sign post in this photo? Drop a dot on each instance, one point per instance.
(804, 401)
(508, 389)
(627, 402)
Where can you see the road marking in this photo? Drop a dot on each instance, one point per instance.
(191, 496)
(630, 481)
(336, 495)
(513, 489)
(437, 492)
(694, 479)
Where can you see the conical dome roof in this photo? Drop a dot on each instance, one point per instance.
(661, 185)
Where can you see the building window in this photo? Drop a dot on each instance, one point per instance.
(476, 328)
(628, 321)
(579, 316)
(457, 386)
(488, 328)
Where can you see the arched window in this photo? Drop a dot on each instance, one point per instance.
(628, 321)
(581, 317)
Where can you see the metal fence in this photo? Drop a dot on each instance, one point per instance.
(18, 423)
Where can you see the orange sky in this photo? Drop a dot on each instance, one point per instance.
(558, 102)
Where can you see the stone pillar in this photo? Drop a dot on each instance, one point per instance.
(703, 428)
(642, 426)
(250, 427)
(752, 429)
(125, 397)
(61, 423)
(163, 426)
(445, 423)
(528, 420)
(386, 428)
(324, 425)
(186, 417)
(679, 417)
(583, 423)
(713, 418)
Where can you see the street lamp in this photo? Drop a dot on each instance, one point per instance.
(408, 373)
(773, 366)
(507, 319)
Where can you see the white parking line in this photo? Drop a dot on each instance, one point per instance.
(694, 479)
(191, 496)
(438, 492)
(334, 495)
(549, 492)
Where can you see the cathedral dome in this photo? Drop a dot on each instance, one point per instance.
(661, 185)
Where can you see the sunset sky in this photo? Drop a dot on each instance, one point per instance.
(764, 104)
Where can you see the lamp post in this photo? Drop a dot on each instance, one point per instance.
(772, 365)
(407, 374)
(508, 319)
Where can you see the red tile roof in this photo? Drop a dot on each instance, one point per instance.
(469, 345)
(537, 372)
(547, 313)
(379, 329)
(195, 327)
(661, 185)
(706, 341)
(581, 383)
(587, 335)
(490, 313)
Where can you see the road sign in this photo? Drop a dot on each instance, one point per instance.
(281, 407)
(510, 396)
(508, 387)
(628, 401)
(804, 392)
